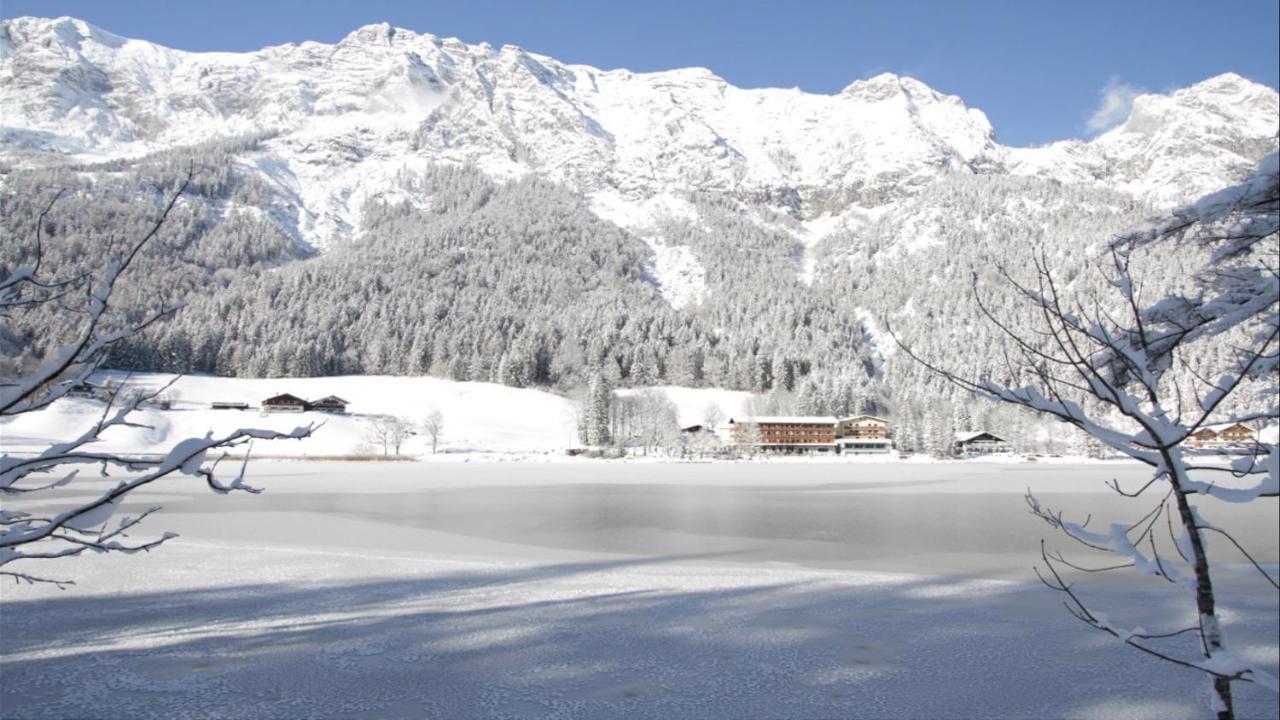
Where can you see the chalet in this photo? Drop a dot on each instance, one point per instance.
(787, 434)
(1203, 438)
(863, 426)
(863, 434)
(222, 405)
(330, 404)
(1237, 435)
(1227, 435)
(981, 442)
(284, 403)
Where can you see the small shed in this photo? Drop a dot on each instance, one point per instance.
(284, 403)
(330, 404)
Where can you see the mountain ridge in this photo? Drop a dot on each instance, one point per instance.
(383, 98)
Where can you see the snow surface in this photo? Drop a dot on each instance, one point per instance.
(478, 417)
(460, 591)
(674, 269)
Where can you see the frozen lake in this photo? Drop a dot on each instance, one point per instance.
(562, 590)
(950, 519)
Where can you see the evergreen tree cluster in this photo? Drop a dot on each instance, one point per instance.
(223, 229)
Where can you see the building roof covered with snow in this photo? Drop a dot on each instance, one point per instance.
(787, 420)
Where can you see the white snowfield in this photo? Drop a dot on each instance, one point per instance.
(478, 417)
(404, 590)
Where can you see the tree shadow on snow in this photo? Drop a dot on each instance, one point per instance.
(591, 639)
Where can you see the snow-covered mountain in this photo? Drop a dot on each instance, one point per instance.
(345, 120)
(767, 235)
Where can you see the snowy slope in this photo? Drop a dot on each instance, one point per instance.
(478, 417)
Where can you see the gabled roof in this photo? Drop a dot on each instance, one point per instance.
(1222, 427)
(964, 437)
(330, 399)
(863, 417)
(791, 419)
(285, 399)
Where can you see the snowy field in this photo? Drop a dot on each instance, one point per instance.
(479, 418)
(374, 590)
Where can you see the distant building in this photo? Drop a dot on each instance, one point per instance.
(863, 426)
(1203, 438)
(1225, 435)
(1237, 435)
(284, 403)
(981, 442)
(787, 434)
(692, 429)
(83, 390)
(824, 433)
(863, 434)
(220, 405)
(330, 404)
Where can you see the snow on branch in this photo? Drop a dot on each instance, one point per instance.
(1116, 355)
(91, 525)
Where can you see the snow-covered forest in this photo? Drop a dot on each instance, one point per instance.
(519, 283)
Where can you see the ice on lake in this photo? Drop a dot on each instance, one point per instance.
(617, 590)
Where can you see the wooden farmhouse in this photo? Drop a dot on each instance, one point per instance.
(1237, 435)
(1203, 438)
(330, 404)
(981, 442)
(284, 403)
(1228, 435)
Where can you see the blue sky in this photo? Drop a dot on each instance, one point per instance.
(1040, 70)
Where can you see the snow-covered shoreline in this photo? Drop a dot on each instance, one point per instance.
(483, 422)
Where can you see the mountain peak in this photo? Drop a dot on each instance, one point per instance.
(878, 87)
(384, 34)
(887, 85)
(68, 31)
(1226, 82)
